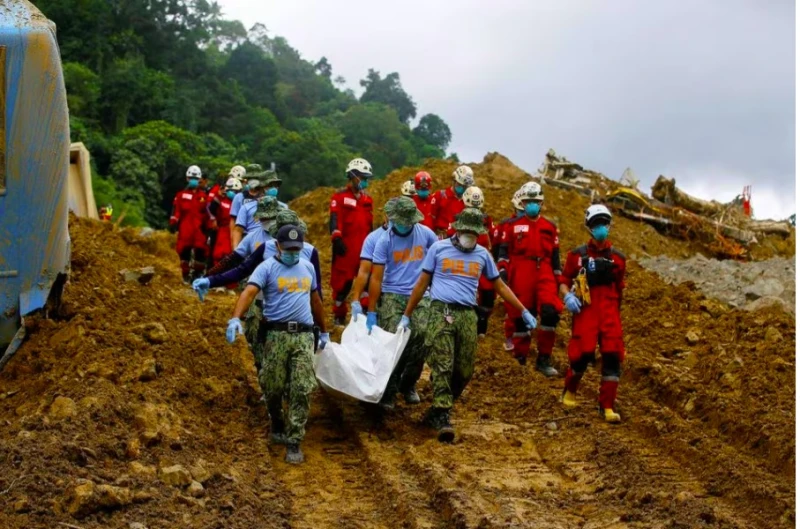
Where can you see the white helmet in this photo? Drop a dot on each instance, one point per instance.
(194, 172)
(359, 166)
(464, 176)
(234, 184)
(407, 189)
(516, 200)
(531, 191)
(473, 197)
(596, 212)
(238, 172)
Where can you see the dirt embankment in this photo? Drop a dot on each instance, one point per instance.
(98, 408)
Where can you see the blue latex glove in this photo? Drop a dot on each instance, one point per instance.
(530, 321)
(372, 320)
(201, 286)
(404, 323)
(355, 308)
(572, 303)
(234, 328)
(324, 339)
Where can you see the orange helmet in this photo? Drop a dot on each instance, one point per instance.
(422, 180)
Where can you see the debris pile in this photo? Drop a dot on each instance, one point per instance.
(726, 229)
(750, 285)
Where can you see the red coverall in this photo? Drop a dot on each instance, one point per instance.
(350, 220)
(190, 215)
(445, 205)
(598, 322)
(213, 192)
(424, 206)
(221, 209)
(496, 237)
(530, 255)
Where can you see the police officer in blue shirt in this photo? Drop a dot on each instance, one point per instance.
(292, 307)
(452, 268)
(396, 266)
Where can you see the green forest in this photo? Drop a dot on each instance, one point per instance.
(154, 86)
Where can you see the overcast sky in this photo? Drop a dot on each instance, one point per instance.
(702, 91)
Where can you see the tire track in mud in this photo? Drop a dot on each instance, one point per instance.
(343, 484)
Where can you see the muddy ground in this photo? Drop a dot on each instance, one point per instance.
(100, 405)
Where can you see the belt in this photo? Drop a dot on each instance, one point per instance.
(288, 326)
(454, 306)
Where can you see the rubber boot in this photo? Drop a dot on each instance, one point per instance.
(294, 455)
(543, 366)
(610, 415)
(411, 396)
(277, 435)
(446, 433)
(569, 399)
(521, 359)
(508, 345)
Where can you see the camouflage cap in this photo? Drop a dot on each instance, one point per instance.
(253, 168)
(405, 212)
(268, 208)
(283, 218)
(470, 219)
(269, 178)
(389, 206)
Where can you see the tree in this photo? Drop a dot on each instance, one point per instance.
(433, 130)
(390, 92)
(374, 131)
(324, 68)
(83, 89)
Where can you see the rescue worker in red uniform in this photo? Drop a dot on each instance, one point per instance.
(190, 218)
(422, 197)
(447, 203)
(595, 321)
(530, 246)
(350, 223)
(106, 212)
(496, 237)
(219, 210)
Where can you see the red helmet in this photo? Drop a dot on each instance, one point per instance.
(422, 180)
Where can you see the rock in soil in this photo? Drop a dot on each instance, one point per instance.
(176, 476)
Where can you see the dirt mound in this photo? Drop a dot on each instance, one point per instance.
(98, 408)
(749, 285)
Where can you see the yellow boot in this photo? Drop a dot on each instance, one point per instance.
(569, 399)
(611, 416)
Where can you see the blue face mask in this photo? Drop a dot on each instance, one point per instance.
(600, 233)
(459, 190)
(272, 192)
(290, 258)
(401, 229)
(423, 193)
(363, 184)
(532, 209)
(230, 194)
(193, 183)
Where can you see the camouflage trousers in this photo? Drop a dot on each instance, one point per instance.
(452, 341)
(409, 367)
(288, 370)
(252, 320)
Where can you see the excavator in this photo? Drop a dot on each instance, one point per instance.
(34, 171)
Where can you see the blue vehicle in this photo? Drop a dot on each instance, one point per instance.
(34, 165)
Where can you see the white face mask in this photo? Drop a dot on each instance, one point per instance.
(268, 224)
(468, 241)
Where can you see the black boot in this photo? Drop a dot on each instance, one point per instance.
(543, 366)
(446, 431)
(294, 455)
(277, 429)
(521, 359)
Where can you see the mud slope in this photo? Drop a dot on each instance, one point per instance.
(105, 396)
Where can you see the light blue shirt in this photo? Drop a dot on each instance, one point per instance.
(368, 248)
(287, 290)
(237, 202)
(456, 273)
(402, 258)
(253, 240)
(271, 250)
(245, 217)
